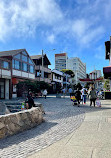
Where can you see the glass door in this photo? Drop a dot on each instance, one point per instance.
(2, 89)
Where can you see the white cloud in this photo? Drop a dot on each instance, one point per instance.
(24, 17)
(51, 38)
(21, 18)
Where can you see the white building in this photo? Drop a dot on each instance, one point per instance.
(61, 61)
(57, 79)
(78, 67)
(95, 74)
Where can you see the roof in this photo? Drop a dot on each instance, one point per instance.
(36, 56)
(57, 72)
(61, 54)
(11, 52)
(40, 57)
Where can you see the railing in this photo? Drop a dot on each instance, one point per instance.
(43, 79)
(39, 67)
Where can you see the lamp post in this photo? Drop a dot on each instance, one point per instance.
(42, 72)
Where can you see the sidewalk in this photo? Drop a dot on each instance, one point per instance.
(91, 140)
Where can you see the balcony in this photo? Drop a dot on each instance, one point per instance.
(39, 67)
(47, 80)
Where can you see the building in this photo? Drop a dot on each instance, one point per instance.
(94, 78)
(107, 69)
(95, 74)
(39, 69)
(56, 80)
(78, 67)
(61, 61)
(5, 78)
(15, 66)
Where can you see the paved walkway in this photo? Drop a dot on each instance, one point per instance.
(91, 140)
(61, 119)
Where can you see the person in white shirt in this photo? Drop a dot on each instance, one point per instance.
(84, 94)
(45, 93)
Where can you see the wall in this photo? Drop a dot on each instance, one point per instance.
(16, 122)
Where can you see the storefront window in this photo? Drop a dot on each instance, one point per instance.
(2, 90)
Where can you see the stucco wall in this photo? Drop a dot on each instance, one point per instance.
(16, 122)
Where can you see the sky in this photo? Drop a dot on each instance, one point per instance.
(77, 27)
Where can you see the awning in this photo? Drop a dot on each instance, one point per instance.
(90, 80)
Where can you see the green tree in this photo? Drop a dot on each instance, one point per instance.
(69, 72)
(106, 84)
(31, 86)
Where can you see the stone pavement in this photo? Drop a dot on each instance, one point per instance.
(91, 140)
(61, 120)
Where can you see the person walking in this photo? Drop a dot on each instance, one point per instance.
(78, 96)
(70, 91)
(64, 92)
(92, 96)
(84, 95)
(45, 93)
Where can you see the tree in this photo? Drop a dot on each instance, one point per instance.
(25, 87)
(69, 72)
(106, 84)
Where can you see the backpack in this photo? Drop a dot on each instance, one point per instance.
(85, 92)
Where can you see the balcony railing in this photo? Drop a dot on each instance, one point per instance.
(39, 67)
(47, 80)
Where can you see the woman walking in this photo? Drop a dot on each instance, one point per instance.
(92, 96)
(78, 96)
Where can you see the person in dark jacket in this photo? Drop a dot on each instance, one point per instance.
(78, 96)
(30, 102)
(92, 96)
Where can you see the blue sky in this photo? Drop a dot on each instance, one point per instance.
(78, 27)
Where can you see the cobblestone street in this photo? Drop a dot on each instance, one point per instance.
(61, 119)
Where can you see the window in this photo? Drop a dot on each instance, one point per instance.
(5, 65)
(24, 58)
(17, 56)
(31, 69)
(24, 67)
(30, 61)
(24, 52)
(17, 65)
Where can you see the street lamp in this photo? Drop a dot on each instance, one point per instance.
(42, 72)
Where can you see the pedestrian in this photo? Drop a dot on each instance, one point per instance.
(64, 92)
(70, 91)
(29, 102)
(45, 93)
(92, 96)
(78, 96)
(84, 95)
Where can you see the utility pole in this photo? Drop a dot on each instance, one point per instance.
(42, 72)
